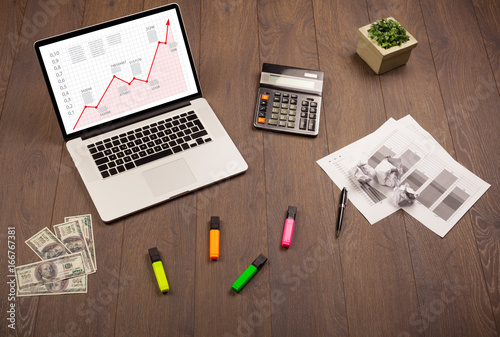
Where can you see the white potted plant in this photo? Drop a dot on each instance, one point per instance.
(385, 45)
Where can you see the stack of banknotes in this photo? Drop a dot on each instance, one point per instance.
(68, 256)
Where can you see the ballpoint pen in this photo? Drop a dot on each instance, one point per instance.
(343, 204)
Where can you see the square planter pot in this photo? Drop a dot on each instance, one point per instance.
(379, 59)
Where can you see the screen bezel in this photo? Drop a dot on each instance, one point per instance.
(122, 121)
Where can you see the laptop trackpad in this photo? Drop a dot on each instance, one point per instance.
(169, 177)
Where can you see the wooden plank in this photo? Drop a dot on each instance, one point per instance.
(438, 263)
(11, 19)
(142, 309)
(471, 103)
(228, 68)
(377, 271)
(488, 14)
(30, 153)
(308, 274)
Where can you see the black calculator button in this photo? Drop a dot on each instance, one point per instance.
(262, 108)
(294, 96)
(305, 103)
(312, 125)
(293, 101)
(314, 104)
(262, 114)
(282, 123)
(312, 116)
(303, 114)
(285, 100)
(277, 94)
(313, 110)
(272, 122)
(286, 95)
(277, 98)
(303, 123)
(263, 102)
(304, 109)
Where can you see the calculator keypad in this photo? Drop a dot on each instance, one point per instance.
(288, 112)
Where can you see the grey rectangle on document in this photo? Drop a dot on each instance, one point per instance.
(416, 179)
(136, 69)
(380, 155)
(436, 188)
(152, 37)
(451, 203)
(408, 159)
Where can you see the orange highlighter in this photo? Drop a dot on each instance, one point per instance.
(214, 237)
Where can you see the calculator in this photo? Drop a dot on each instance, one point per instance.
(289, 100)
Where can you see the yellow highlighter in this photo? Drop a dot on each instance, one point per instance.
(158, 269)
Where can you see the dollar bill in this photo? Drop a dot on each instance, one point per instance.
(76, 285)
(88, 232)
(71, 234)
(52, 270)
(46, 245)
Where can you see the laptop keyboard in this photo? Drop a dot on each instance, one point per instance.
(143, 145)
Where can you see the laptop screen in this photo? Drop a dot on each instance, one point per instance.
(117, 69)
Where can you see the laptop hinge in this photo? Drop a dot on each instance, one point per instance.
(116, 124)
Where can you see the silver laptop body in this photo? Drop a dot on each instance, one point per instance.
(130, 107)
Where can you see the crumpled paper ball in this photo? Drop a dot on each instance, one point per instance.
(389, 171)
(364, 173)
(404, 195)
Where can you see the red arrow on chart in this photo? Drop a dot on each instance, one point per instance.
(129, 83)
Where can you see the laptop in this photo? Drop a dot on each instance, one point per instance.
(131, 111)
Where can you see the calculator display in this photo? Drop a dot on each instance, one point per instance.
(293, 82)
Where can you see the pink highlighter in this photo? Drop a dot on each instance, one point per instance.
(288, 230)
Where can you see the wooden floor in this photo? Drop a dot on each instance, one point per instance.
(395, 278)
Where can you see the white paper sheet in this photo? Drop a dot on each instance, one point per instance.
(446, 190)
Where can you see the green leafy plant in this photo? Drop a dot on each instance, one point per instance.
(388, 33)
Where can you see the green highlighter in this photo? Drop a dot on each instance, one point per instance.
(249, 273)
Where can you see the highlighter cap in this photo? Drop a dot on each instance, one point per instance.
(292, 211)
(154, 254)
(259, 261)
(215, 223)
